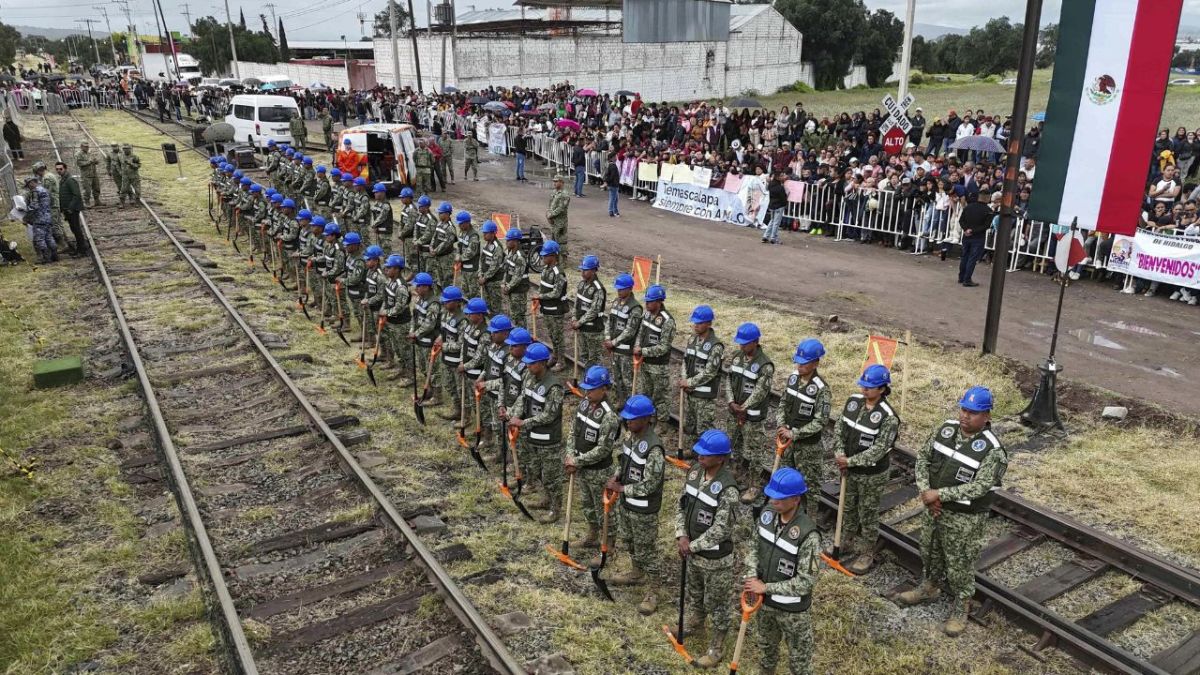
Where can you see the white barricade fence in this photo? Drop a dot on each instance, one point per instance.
(595, 164)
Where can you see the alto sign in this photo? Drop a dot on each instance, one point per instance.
(893, 140)
(896, 127)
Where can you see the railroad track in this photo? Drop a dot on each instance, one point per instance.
(307, 567)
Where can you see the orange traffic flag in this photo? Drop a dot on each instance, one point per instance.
(503, 222)
(880, 350)
(642, 267)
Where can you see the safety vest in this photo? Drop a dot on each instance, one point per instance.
(956, 459)
(743, 378)
(453, 327)
(859, 429)
(422, 308)
(779, 555)
(391, 292)
(618, 318)
(633, 470)
(464, 244)
(585, 296)
(514, 380)
(493, 369)
(442, 234)
(650, 334)
(800, 400)
(695, 360)
(381, 213)
(420, 229)
(699, 506)
(516, 272)
(471, 339)
(589, 417)
(373, 278)
(488, 253)
(356, 276)
(536, 395)
(553, 306)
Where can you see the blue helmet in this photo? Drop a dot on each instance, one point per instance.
(422, 279)
(594, 378)
(227, 167)
(308, 161)
(476, 306)
(535, 353)
(290, 153)
(214, 160)
(352, 238)
(786, 482)
(318, 221)
(245, 181)
(394, 260)
(712, 442)
(977, 399)
(347, 177)
(499, 324)
(518, 336)
(808, 351)
(656, 293)
(549, 248)
(321, 168)
(637, 406)
(374, 252)
(488, 227)
(336, 173)
(332, 230)
(452, 294)
(304, 214)
(271, 191)
(277, 198)
(406, 193)
(424, 200)
(747, 333)
(445, 207)
(589, 262)
(702, 314)
(346, 141)
(237, 173)
(462, 217)
(876, 375)
(360, 181)
(271, 143)
(513, 234)
(288, 204)
(379, 187)
(623, 282)
(256, 188)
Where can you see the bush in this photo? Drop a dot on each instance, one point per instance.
(798, 87)
(917, 78)
(749, 93)
(861, 86)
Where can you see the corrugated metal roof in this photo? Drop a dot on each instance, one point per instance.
(739, 15)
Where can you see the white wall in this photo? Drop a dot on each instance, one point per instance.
(302, 74)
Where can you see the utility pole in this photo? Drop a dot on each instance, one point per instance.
(347, 62)
(395, 49)
(111, 42)
(132, 39)
(232, 45)
(412, 33)
(170, 40)
(89, 23)
(187, 14)
(162, 42)
(274, 21)
(906, 51)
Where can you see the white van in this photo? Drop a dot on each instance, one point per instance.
(259, 118)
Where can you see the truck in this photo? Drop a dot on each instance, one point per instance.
(160, 67)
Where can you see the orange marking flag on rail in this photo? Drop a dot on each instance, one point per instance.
(642, 267)
(880, 350)
(503, 222)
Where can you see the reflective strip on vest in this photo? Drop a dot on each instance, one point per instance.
(702, 496)
(533, 435)
(800, 395)
(702, 389)
(638, 502)
(967, 502)
(628, 452)
(744, 372)
(782, 544)
(955, 455)
(858, 427)
(586, 420)
(534, 395)
(786, 599)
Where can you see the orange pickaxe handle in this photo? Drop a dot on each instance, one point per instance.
(748, 610)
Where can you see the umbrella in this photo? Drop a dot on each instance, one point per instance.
(317, 86)
(547, 106)
(495, 105)
(267, 87)
(477, 100)
(76, 76)
(5, 77)
(219, 132)
(625, 92)
(586, 92)
(510, 105)
(251, 82)
(569, 124)
(977, 143)
(1039, 116)
(449, 90)
(56, 78)
(744, 103)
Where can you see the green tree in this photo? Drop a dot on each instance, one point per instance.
(9, 39)
(1186, 59)
(285, 54)
(991, 50)
(924, 57)
(879, 46)
(1047, 46)
(242, 18)
(212, 40)
(831, 29)
(382, 26)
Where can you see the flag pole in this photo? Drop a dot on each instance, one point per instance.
(1033, 15)
(1042, 411)
(1062, 287)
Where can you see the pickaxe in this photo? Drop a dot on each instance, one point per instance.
(509, 440)
(610, 498)
(563, 554)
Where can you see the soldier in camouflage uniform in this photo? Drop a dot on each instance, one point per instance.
(303, 250)
(654, 347)
(322, 191)
(326, 127)
(356, 280)
(474, 352)
(423, 228)
(343, 198)
(471, 148)
(131, 175)
(112, 166)
(49, 181)
(781, 565)
(515, 284)
(358, 210)
(620, 335)
(334, 200)
(333, 273)
(308, 181)
(453, 326)
(396, 315)
(466, 255)
(289, 240)
(639, 480)
(552, 299)
(589, 452)
(299, 131)
(381, 220)
(491, 266)
(556, 214)
(447, 144)
(957, 470)
(539, 416)
(408, 218)
(700, 374)
(704, 526)
(272, 164)
(426, 328)
(89, 175)
(862, 448)
(492, 359)
(314, 278)
(591, 300)
(423, 160)
(508, 387)
(801, 417)
(441, 247)
(747, 395)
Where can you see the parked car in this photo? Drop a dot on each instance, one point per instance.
(260, 118)
(1009, 81)
(1183, 82)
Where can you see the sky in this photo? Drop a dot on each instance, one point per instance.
(328, 19)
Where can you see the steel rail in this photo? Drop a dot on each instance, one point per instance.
(490, 644)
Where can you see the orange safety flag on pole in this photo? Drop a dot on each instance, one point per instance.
(503, 222)
(642, 267)
(880, 350)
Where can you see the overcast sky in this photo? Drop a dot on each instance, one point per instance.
(327, 19)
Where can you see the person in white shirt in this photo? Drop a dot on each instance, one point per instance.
(1167, 188)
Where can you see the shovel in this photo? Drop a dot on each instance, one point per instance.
(678, 460)
(268, 251)
(475, 454)
(677, 638)
(637, 367)
(321, 326)
(418, 411)
(748, 611)
(282, 268)
(460, 435)
(573, 383)
(302, 298)
(610, 498)
(534, 305)
(510, 442)
(337, 295)
(457, 272)
(375, 357)
(361, 361)
(563, 554)
(833, 560)
(426, 392)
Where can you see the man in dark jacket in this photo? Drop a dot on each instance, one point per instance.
(520, 144)
(776, 205)
(975, 220)
(579, 163)
(612, 180)
(70, 202)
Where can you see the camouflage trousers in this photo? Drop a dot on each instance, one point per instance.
(56, 228)
(654, 382)
(489, 417)
(469, 166)
(794, 628)
(590, 347)
(451, 381)
(560, 236)
(131, 187)
(750, 446)
(335, 299)
(384, 239)
(860, 519)
(543, 464)
(700, 415)
(622, 377)
(393, 344)
(554, 330)
(490, 293)
(639, 534)
(589, 486)
(710, 589)
(424, 181)
(808, 457)
(424, 371)
(468, 281)
(518, 303)
(90, 184)
(443, 270)
(950, 547)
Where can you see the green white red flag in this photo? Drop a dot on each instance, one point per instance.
(1110, 76)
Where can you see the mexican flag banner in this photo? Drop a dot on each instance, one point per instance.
(1110, 76)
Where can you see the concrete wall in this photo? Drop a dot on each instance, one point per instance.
(763, 55)
(332, 75)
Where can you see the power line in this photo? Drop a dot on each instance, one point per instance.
(317, 23)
